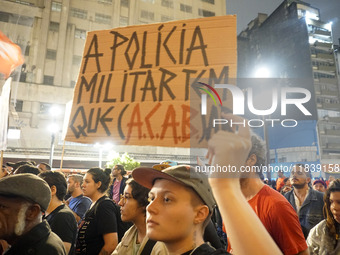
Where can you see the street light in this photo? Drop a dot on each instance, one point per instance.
(262, 72)
(107, 146)
(54, 111)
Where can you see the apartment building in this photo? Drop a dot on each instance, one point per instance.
(52, 35)
(294, 42)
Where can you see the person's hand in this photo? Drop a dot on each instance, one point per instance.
(229, 151)
(286, 189)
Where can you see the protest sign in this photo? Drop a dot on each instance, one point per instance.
(4, 110)
(134, 82)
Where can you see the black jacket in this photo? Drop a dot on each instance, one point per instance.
(38, 241)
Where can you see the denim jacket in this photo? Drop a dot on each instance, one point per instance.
(311, 211)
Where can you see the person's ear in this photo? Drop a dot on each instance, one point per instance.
(53, 190)
(201, 213)
(98, 184)
(251, 160)
(32, 212)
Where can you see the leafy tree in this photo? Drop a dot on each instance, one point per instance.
(125, 160)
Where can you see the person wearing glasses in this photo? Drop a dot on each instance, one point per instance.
(133, 209)
(97, 232)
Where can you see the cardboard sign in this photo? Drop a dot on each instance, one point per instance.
(134, 82)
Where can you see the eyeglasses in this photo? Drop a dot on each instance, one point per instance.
(124, 198)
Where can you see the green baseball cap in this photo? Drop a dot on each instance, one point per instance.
(183, 174)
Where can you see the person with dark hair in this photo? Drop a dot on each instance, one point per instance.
(27, 169)
(4, 171)
(23, 199)
(323, 239)
(14, 166)
(287, 186)
(308, 203)
(32, 162)
(133, 209)
(78, 203)
(98, 230)
(43, 167)
(118, 183)
(246, 232)
(319, 185)
(271, 207)
(181, 205)
(213, 232)
(280, 180)
(58, 215)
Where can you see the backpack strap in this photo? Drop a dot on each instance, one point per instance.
(148, 247)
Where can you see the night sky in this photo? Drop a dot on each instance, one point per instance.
(247, 10)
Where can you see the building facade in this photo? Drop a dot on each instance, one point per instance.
(52, 35)
(293, 42)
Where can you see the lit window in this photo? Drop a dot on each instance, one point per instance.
(80, 34)
(13, 133)
(56, 7)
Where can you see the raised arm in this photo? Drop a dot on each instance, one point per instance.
(245, 230)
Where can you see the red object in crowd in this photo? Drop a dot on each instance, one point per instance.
(10, 55)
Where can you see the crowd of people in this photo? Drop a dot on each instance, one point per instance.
(170, 208)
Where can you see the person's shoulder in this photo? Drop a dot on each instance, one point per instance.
(289, 193)
(206, 249)
(84, 199)
(316, 233)
(53, 245)
(159, 249)
(316, 193)
(272, 194)
(105, 203)
(272, 201)
(320, 226)
(65, 213)
(65, 210)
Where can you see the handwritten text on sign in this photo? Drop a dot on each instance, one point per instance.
(134, 82)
